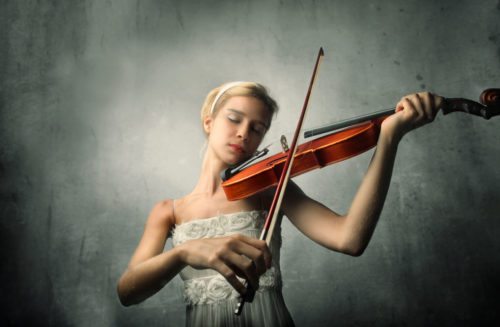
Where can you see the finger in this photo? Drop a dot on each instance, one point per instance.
(400, 104)
(243, 267)
(419, 107)
(230, 276)
(253, 253)
(428, 105)
(266, 256)
(231, 264)
(409, 109)
(412, 115)
(432, 103)
(438, 101)
(261, 245)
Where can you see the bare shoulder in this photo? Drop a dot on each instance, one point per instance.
(162, 214)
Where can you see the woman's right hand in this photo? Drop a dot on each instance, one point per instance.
(231, 256)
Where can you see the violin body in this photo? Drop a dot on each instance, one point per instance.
(314, 154)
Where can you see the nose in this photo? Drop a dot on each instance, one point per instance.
(243, 132)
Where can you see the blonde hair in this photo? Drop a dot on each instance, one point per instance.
(218, 96)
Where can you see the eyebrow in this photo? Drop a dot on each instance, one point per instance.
(236, 111)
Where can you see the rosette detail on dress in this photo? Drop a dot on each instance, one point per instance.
(215, 289)
(249, 223)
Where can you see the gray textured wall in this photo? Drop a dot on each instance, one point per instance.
(99, 120)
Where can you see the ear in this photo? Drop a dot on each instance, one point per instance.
(207, 124)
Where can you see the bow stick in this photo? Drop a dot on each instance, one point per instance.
(267, 230)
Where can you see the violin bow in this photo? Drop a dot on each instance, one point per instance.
(272, 216)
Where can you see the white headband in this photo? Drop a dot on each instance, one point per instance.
(223, 90)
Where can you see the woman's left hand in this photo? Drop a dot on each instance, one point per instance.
(412, 111)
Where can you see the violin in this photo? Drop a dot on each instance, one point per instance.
(356, 136)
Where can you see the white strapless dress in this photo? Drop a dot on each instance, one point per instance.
(210, 299)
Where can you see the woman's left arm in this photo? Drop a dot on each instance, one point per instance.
(352, 232)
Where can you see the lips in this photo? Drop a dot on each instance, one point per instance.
(237, 148)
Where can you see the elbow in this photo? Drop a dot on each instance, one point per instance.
(355, 252)
(353, 248)
(126, 302)
(125, 299)
(124, 294)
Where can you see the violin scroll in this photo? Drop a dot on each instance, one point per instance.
(490, 97)
(489, 106)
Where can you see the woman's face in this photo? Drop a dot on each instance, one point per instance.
(238, 128)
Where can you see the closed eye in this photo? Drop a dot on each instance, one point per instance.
(233, 119)
(256, 127)
(259, 130)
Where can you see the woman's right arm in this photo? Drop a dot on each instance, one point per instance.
(150, 268)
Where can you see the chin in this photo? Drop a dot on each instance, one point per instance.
(232, 161)
(235, 160)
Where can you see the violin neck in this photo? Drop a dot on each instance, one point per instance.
(472, 107)
(489, 107)
(347, 123)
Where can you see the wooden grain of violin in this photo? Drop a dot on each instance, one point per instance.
(358, 135)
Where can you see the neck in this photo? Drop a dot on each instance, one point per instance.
(209, 182)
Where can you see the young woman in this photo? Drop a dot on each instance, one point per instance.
(216, 242)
